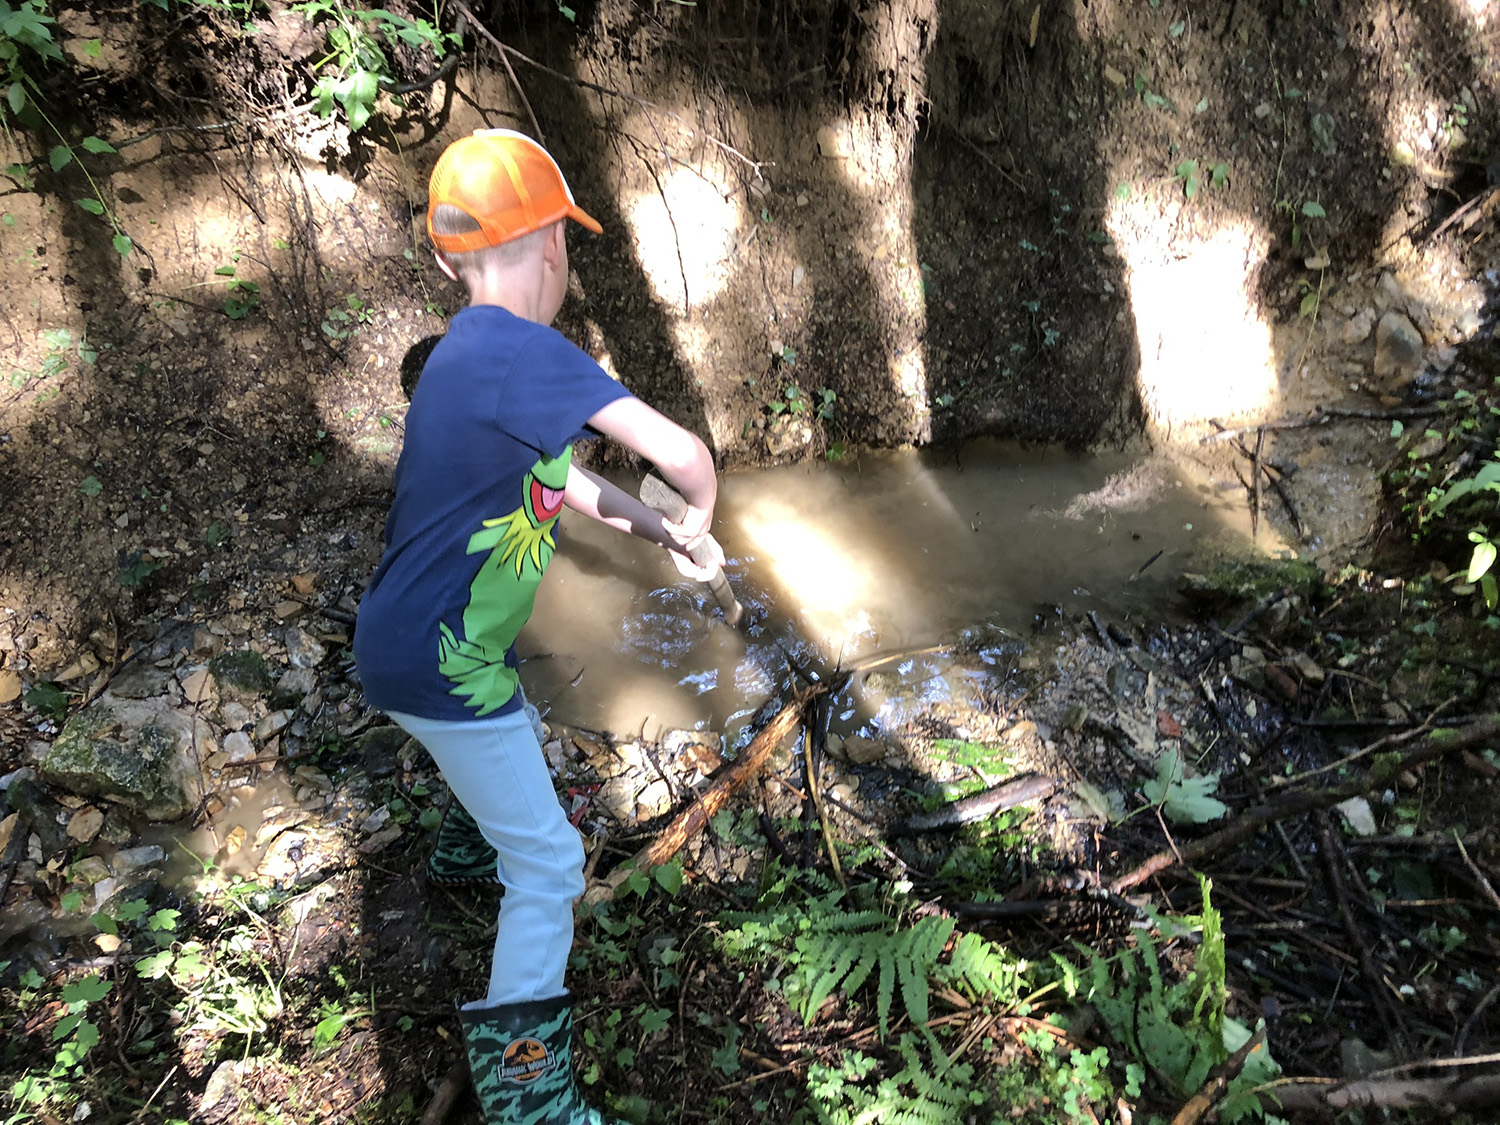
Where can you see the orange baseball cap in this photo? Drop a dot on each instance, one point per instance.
(505, 182)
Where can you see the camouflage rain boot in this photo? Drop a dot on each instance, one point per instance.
(521, 1058)
(461, 854)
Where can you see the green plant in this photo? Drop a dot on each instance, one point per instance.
(356, 65)
(1299, 214)
(1189, 173)
(341, 324)
(243, 297)
(1179, 1030)
(1183, 799)
(928, 1089)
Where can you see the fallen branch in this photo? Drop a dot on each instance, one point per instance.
(455, 1082)
(1218, 1081)
(1393, 1093)
(692, 820)
(1323, 416)
(981, 806)
(1304, 801)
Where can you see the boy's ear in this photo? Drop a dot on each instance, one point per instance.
(443, 264)
(554, 243)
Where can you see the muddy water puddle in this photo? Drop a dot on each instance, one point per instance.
(841, 562)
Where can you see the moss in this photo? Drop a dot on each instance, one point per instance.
(1249, 581)
(243, 674)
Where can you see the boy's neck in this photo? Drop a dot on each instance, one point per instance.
(510, 293)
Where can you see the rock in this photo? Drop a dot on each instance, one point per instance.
(1308, 668)
(286, 610)
(86, 665)
(1357, 812)
(84, 825)
(90, 870)
(272, 724)
(10, 686)
(1020, 731)
(127, 860)
(238, 747)
(378, 749)
(140, 681)
(834, 143)
(1114, 77)
(653, 800)
(1251, 581)
(294, 686)
(700, 749)
(1358, 328)
(302, 649)
(241, 675)
(787, 435)
(1398, 348)
(1389, 293)
(861, 751)
(198, 687)
(140, 753)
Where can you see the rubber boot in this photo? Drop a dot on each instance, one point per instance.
(521, 1059)
(461, 853)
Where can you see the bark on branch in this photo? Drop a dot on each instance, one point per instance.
(692, 820)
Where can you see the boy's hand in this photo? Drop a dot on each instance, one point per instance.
(692, 528)
(707, 549)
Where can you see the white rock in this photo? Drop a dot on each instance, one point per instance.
(1358, 329)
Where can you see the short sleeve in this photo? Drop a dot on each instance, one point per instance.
(553, 390)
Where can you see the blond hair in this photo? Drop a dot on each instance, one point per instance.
(450, 220)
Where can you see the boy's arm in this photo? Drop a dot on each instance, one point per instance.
(680, 455)
(592, 496)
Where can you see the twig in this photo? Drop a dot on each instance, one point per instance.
(1255, 485)
(1303, 801)
(1378, 744)
(813, 755)
(1478, 874)
(1323, 416)
(583, 84)
(1463, 1033)
(1330, 853)
(463, 10)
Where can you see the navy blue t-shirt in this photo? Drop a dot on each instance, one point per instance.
(478, 493)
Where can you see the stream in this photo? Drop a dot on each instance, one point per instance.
(842, 562)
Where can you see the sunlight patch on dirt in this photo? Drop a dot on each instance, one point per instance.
(1206, 349)
(876, 168)
(684, 234)
(1478, 12)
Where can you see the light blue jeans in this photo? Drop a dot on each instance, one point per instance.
(496, 770)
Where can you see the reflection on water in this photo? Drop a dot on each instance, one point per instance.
(891, 553)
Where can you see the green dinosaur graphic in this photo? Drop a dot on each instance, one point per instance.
(520, 545)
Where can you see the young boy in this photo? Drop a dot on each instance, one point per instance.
(484, 473)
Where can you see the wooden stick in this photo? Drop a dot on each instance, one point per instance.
(692, 820)
(455, 1082)
(1322, 1096)
(1303, 801)
(1324, 415)
(1218, 1079)
(980, 806)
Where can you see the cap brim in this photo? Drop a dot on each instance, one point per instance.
(584, 219)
